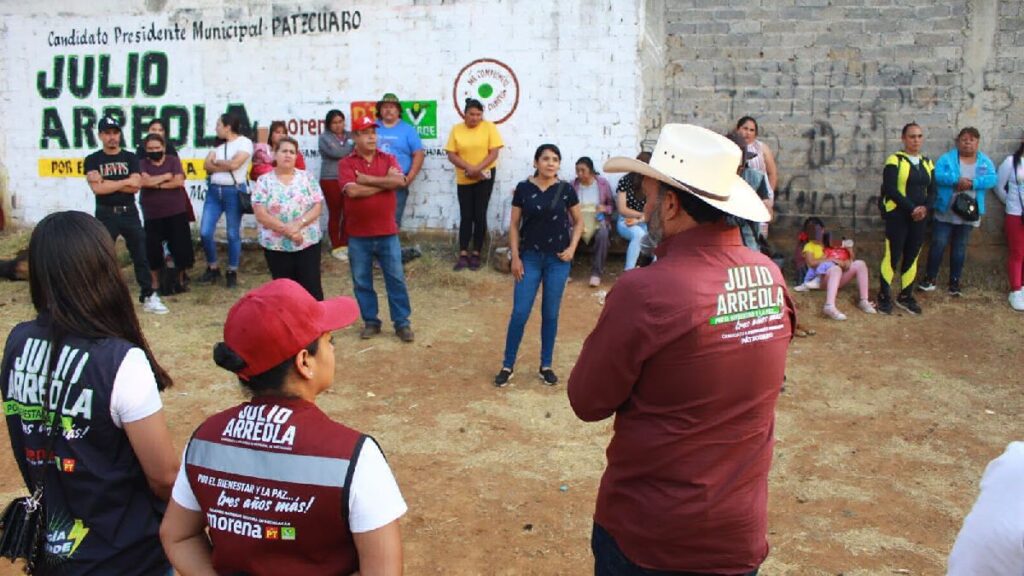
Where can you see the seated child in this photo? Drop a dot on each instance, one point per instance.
(833, 265)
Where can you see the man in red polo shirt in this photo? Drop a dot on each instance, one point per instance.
(689, 355)
(368, 180)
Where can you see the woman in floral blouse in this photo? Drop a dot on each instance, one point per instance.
(286, 203)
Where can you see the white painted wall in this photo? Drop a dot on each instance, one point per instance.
(577, 64)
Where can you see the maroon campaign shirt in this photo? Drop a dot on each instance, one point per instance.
(162, 202)
(369, 215)
(689, 355)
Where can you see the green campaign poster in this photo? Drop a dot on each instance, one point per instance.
(423, 115)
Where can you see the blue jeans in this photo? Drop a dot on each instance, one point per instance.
(610, 561)
(538, 268)
(401, 195)
(634, 234)
(222, 200)
(361, 253)
(942, 233)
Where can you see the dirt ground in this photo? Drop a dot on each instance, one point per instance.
(884, 428)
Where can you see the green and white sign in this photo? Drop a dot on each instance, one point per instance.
(423, 115)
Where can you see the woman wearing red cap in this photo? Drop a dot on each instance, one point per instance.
(281, 487)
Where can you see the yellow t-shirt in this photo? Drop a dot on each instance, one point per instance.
(472, 145)
(816, 250)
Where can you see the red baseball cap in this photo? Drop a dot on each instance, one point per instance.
(363, 123)
(273, 322)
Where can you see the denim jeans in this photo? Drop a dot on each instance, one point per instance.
(361, 253)
(634, 234)
(539, 268)
(610, 561)
(222, 200)
(124, 221)
(942, 233)
(401, 195)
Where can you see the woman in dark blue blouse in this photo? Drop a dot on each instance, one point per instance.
(545, 229)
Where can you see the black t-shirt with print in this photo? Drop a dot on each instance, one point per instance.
(630, 186)
(113, 167)
(545, 224)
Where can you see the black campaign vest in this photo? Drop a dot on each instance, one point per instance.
(272, 478)
(102, 517)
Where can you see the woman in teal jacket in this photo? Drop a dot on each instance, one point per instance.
(962, 170)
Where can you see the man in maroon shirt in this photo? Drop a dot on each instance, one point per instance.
(689, 355)
(368, 179)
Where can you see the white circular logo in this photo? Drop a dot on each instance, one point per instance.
(491, 82)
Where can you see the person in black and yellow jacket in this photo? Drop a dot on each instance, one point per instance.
(908, 188)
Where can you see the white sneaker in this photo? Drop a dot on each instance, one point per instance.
(866, 307)
(153, 305)
(833, 313)
(812, 284)
(340, 253)
(595, 281)
(1017, 300)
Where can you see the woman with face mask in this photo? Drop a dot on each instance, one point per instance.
(165, 212)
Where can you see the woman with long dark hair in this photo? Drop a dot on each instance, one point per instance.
(112, 466)
(545, 230)
(632, 223)
(335, 143)
(1010, 189)
(763, 159)
(286, 203)
(228, 166)
(473, 147)
(303, 494)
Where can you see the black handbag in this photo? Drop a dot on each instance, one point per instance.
(966, 207)
(23, 522)
(244, 196)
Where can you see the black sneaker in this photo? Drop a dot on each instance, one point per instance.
(884, 304)
(503, 377)
(231, 279)
(907, 302)
(547, 375)
(211, 276)
(954, 289)
(927, 286)
(369, 331)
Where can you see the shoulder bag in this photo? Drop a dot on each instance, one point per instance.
(23, 523)
(966, 207)
(244, 196)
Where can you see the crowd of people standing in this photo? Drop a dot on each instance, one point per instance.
(695, 206)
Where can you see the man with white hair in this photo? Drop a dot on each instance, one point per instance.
(689, 355)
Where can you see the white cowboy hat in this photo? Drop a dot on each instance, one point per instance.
(701, 162)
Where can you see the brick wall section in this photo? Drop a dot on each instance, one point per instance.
(831, 83)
